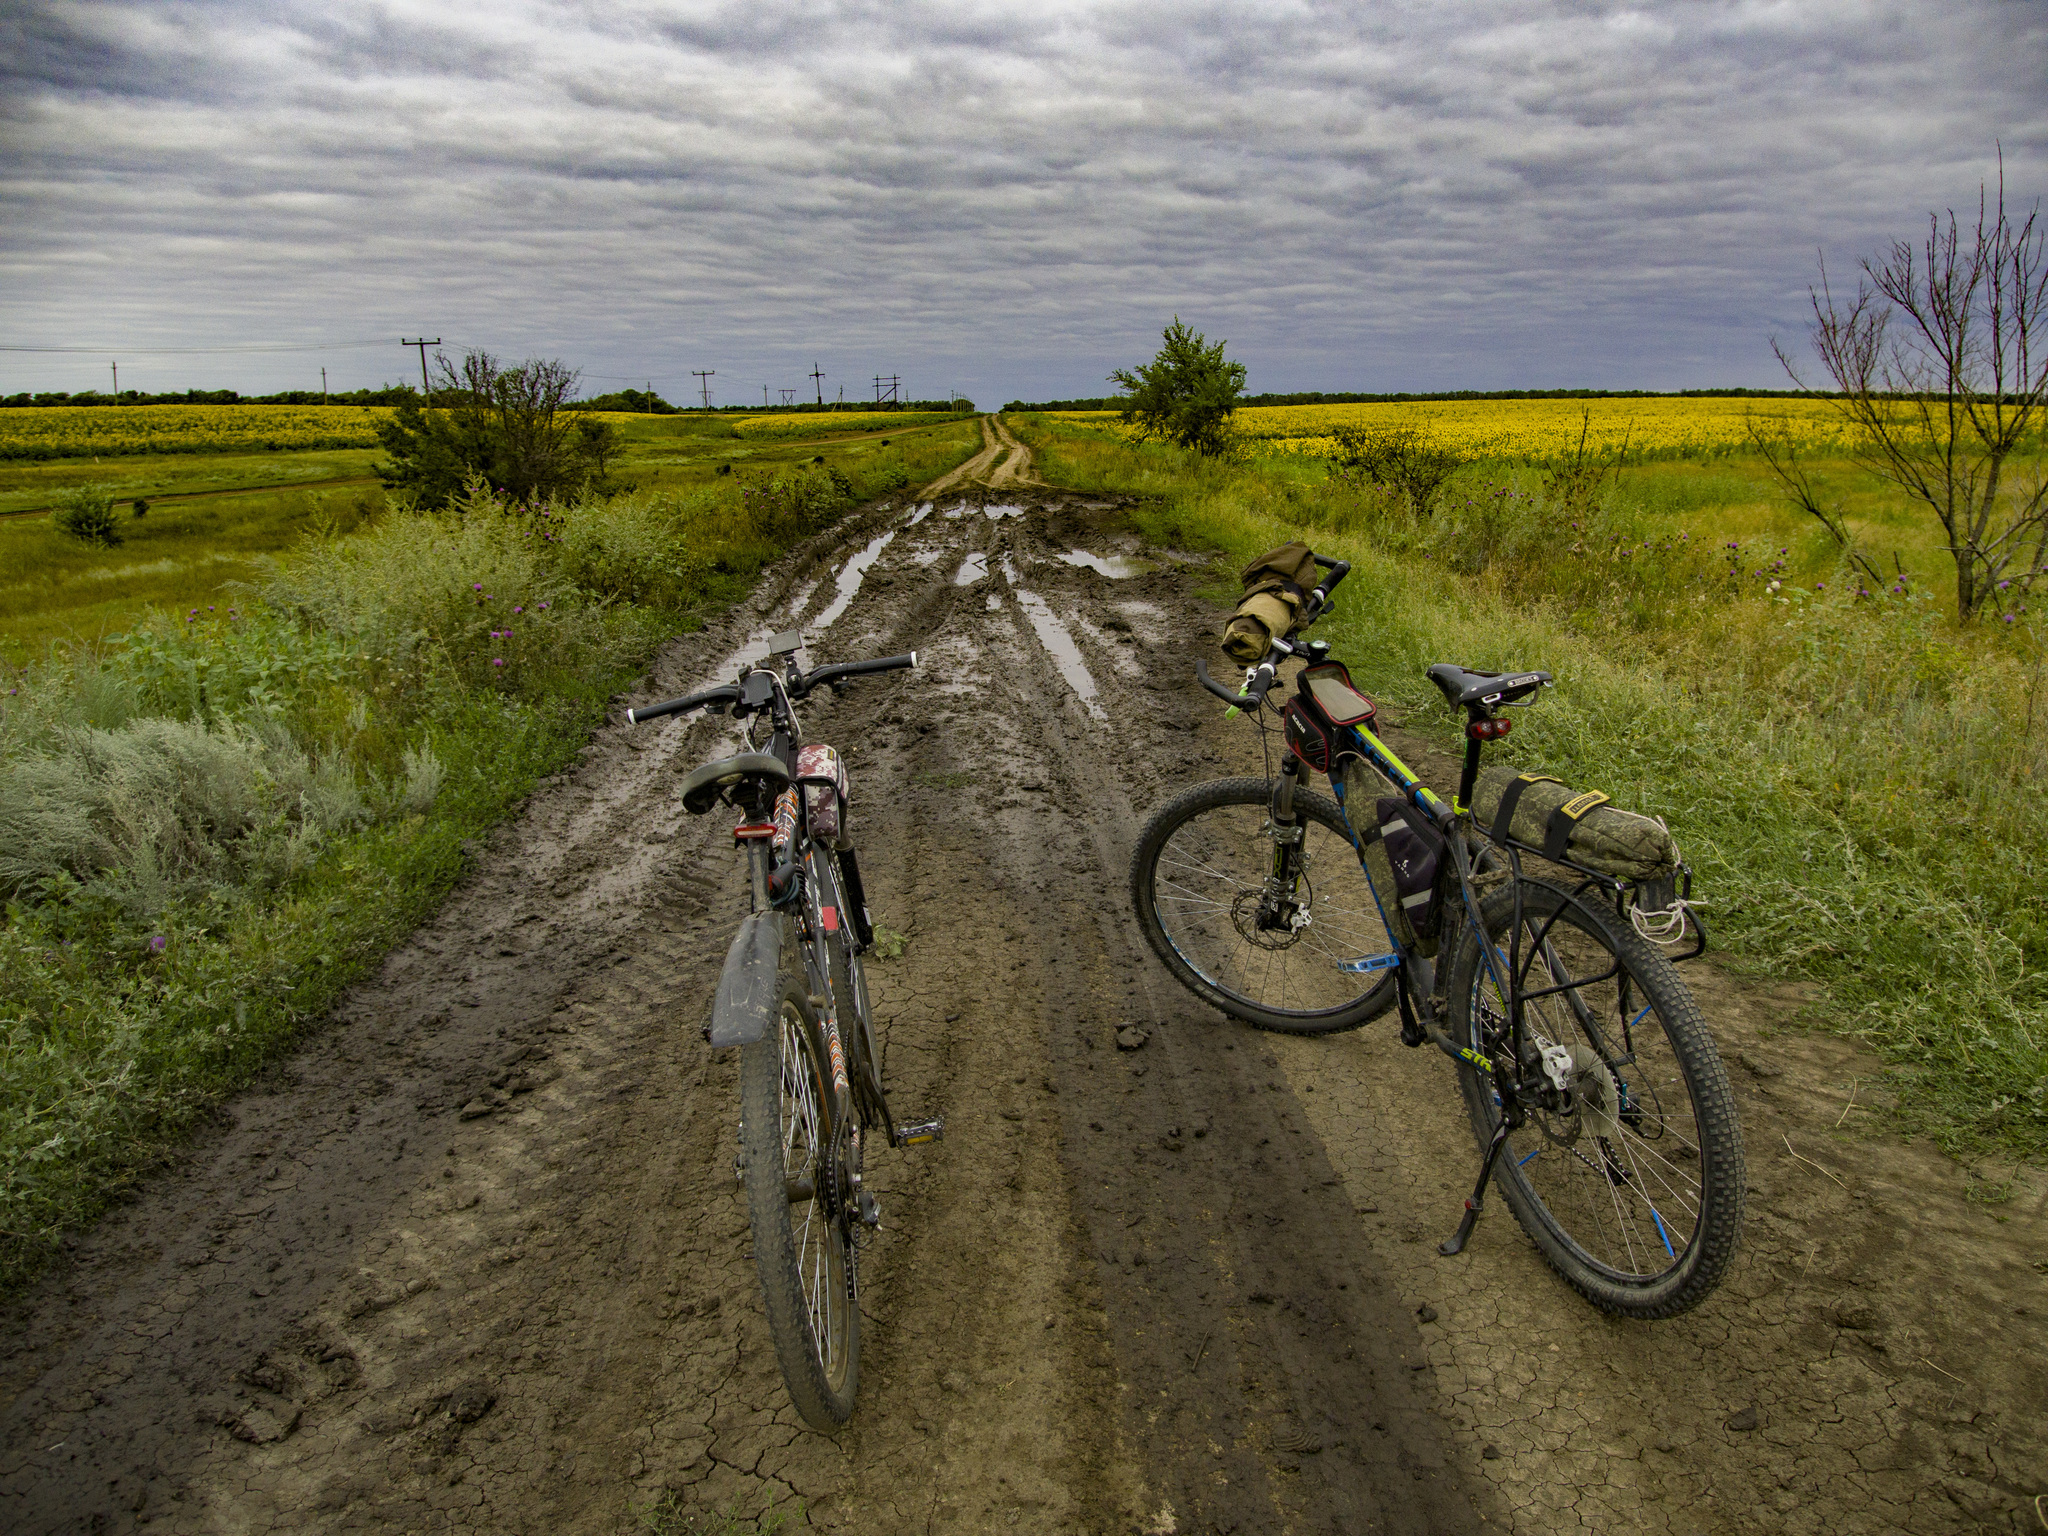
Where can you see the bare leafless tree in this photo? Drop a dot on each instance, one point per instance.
(1941, 363)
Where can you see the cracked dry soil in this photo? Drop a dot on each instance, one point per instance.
(474, 1257)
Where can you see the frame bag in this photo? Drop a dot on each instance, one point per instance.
(1404, 857)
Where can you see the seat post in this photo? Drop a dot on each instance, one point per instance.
(1470, 777)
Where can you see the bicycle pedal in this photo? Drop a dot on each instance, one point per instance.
(918, 1135)
(868, 1209)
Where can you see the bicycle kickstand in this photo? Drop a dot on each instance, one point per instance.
(1455, 1243)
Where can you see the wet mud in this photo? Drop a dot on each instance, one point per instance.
(475, 1256)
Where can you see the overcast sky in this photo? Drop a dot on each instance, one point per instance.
(1003, 199)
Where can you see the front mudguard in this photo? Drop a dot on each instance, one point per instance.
(750, 986)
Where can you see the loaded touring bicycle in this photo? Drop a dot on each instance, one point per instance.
(1527, 931)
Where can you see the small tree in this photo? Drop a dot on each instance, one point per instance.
(1186, 394)
(506, 425)
(1403, 458)
(86, 512)
(597, 443)
(1941, 361)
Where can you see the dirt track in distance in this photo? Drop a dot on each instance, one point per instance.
(475, 1257)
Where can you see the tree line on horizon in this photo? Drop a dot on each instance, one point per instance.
(1321, 397)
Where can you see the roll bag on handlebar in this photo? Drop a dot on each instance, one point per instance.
(1275, 586)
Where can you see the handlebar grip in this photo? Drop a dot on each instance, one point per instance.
(649, 712)
(1240, 700)
(829, 677)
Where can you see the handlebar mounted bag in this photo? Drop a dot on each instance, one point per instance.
(822, 772)
(1315, 720)
(1540, 811)
(1275, 586)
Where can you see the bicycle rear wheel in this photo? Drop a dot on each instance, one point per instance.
(1198, 880)
(801, 1246)
(1635, 1194)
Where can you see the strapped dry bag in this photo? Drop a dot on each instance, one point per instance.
(1540, 811)
(1275, 586)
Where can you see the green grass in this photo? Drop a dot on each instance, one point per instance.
(212, 824)
(1857, 782)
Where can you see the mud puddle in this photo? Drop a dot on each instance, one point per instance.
(475, 1258)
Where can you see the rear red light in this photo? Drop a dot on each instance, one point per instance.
(1489, 730)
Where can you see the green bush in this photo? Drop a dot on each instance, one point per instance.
(86, 513)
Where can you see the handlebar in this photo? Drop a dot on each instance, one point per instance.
(798, 685)
(831, 676)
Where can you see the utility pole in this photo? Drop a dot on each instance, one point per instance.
(323, 386)
(817, 377)
(117, 382)
(764, 397)
(422, 344)
(703, 377)
(892, 381)
(788, 398)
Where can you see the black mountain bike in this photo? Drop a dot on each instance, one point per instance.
(1598, 1099)
(794, 1000)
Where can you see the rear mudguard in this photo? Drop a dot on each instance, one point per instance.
(749, 988)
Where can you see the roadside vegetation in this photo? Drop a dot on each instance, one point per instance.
(211, 517)
(217, 815)
(1856, 776)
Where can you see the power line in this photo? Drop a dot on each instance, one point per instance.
(704, 377)
(297, 346)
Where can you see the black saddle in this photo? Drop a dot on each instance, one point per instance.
(704, 786)
(1464, 689)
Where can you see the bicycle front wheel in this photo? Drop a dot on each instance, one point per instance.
(1202, 883)
(801, 1246)
(1634, 1193)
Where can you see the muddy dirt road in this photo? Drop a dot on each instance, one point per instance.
(475, 1257)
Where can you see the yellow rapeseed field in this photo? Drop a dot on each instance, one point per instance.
(63, 431)
(1542, 429)
(822, 423)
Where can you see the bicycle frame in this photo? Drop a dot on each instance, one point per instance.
(1420, 982)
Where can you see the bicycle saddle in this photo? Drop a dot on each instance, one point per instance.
(704, 785)
(1463, 689)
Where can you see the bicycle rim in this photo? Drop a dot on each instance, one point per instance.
(1634, 1194)
(806, 1159)
(1203, 873)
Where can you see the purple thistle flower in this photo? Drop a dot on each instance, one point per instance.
(158, 944)
(497, 661)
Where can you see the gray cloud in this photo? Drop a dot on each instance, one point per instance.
(1011, 201)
